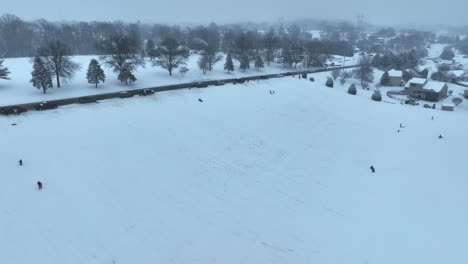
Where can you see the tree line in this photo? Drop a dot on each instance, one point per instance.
(124, 47)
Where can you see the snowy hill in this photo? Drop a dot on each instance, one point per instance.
(244, 177)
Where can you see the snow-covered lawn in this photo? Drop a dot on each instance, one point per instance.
(244, 177)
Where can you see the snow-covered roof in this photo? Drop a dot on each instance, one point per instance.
(417, 81)
(457, 73)
(435, 86)
(395, 73)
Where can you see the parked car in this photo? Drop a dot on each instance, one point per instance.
(45, 106)
(16, 110)
(125, 95)
(87, 100)
(411, 102)
(146, 92)
(200, 85)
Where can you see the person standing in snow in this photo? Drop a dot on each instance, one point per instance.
(20, 162)
(441, 137)
(372, 168)
(39, 185)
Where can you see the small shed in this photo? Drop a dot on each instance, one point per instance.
(395, 77)
(448, 107)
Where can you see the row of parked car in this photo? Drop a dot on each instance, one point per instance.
(16, 110)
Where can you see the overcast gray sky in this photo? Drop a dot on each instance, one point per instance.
(452, 12)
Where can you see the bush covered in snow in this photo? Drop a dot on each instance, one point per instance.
(352, 89)
(329, 82)
(376, 96)
(457, 100)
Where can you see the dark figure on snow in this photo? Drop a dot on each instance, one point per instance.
(372, 168)
(441, 137)
(272, 92)
(432, 118)
(401, 126)
(39, 185)
(200, 100)
(20, 162)
(398, 130)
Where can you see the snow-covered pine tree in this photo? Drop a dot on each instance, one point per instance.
(244, 62)
(385, 80)
(259, 62)
(229, 65)
(95, 74)
(126, 75)
(150, 49)
(41, 75)
(4, 72)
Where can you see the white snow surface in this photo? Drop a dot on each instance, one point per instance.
(244, 177)
(435, 86)
(395, 73)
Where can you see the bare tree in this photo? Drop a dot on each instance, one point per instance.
(335, 74)
(364, 73)
(170, 55)
(183, 70)
(210, 57)
(55, 57)
(121, 54)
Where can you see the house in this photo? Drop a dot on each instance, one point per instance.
(447, 107)
(429, 91)
(415, 83)
(395, 77)
(455, 76)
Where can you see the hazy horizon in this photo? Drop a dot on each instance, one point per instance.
(399, 12)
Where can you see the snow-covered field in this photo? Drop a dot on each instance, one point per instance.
(244, 177)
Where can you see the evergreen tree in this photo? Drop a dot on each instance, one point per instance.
(244, 62)
(447, 53)
(150, 49)
(95, 74)
(229, 65)
(259, 62)
(286, 55)
(4, 72)
(41, 75)
(126, 75)
(385, 80)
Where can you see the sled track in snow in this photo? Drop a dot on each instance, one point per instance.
(10, 109)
